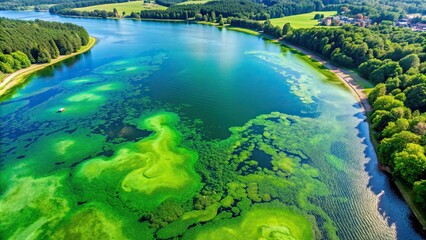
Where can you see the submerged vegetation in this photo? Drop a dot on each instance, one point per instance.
(158, 176)
(154, 180)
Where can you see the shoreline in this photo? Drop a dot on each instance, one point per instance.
(356, 84)
(14, 79)
(347, 77)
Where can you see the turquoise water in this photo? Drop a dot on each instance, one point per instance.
(184, 130)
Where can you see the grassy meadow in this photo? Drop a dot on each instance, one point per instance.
(128, 7)
(301, 20)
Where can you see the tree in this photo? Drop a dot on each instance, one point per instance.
(391, 69)
(416, 97)
(393, 84)
(378, 91)
(116, 13)
(396, 143)
(380, 119)
(366, 68)
(401, 112)
(287, 30)
(377, 76)
(359, 52)
(319, 16)
(220, 19)
(417, 79)
(386, 103)
(409, 61)
(420, 128)
(22, 58)
(213, 16)
(6, 68)
(398, 126)
(420, 192)
(410, 164)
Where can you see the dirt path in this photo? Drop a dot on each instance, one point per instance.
(18, 77)
(346, 76)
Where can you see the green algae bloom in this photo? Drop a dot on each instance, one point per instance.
(152, 170)
(260, 222)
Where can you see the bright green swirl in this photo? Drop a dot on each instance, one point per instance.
(150, 171)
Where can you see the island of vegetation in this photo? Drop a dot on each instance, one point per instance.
(28, 46)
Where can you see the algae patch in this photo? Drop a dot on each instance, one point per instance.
(260, 222)
(299, 80)
(31, 207)
(150, 171)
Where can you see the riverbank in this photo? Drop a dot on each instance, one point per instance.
(12, 80)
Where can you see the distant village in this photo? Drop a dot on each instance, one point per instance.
(410, 21)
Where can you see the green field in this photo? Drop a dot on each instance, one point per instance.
(194, 2)
(301, 20)
(128, 7)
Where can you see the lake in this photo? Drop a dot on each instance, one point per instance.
(192, 131)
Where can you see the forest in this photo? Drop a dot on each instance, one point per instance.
(25, 42)
(18, 4)
(255, 9)
(235, 8)
(394, 59)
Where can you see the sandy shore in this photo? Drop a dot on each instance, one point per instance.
(18, 77)
(347, 77)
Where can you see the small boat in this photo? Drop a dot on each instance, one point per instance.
(61, 110)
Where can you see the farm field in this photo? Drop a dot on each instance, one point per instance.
(301, 20)
(128, 7)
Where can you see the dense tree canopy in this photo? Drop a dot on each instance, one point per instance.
(26, 42)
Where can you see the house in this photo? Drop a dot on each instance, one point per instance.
(419, 27)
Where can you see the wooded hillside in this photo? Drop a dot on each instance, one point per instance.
(26, 42)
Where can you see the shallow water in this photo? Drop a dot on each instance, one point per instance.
(175, 129)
